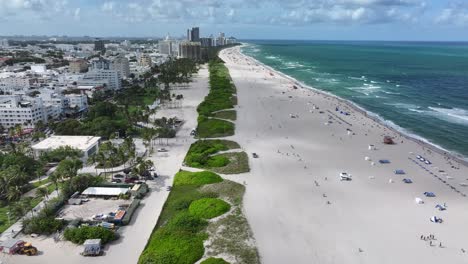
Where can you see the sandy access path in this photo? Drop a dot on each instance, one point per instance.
(298, 208)
(135, 235)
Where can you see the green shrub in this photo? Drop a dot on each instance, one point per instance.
(186, 222)
(196, 178)
(217, 161)
(44, 225)
(214, 261)
(199, 154)
(80, 234)
(167, 247)
(221, 90)
(208, 208)
(213, 128)
(238, 163)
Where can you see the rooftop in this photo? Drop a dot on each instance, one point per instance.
(105, 191)
(79, 142)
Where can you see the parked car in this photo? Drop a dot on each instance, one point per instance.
(131, 179)
(118, 176)
(162, 150)
(344, 176)
(255, 155)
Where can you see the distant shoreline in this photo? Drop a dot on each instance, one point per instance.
(422, 141)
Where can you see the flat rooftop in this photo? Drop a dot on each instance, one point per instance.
(79, 142)
(105, 191)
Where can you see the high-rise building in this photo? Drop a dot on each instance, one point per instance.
(78, 66)
(206, 42)
(99, 45)
(190, 50)
(165, 46)
(193, 34)
(121, 64)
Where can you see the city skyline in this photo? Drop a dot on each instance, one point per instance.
(297, 19)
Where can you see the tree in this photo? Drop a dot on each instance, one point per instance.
(54, 178)
(17, 210)
(68, 168)
(14, 193)
(27, 203)
(42, 192)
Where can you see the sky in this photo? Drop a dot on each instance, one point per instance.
(442, 20)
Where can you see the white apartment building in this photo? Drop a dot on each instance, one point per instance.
(12, 82)
(52, 97)
(79, 102)
(19, 110)
(38, 68)
(111, 78)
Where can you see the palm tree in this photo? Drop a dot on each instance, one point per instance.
(14, 193)
(42, 192)
(54, 178)
(27, 204)
(17, 209)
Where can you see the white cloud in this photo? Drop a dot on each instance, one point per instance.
(76, 14)
(454, 14)
(108, 6)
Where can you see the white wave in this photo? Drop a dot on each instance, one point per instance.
(387, 92)
(457, 115)
(404, 105)
(417, 110)
(271, 57)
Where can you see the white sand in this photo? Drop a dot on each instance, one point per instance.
(134, 236)
(289, 214)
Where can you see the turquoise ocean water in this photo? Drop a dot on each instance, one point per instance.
(420, 88)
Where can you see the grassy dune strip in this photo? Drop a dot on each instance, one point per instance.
(228, 114)
(179, 234)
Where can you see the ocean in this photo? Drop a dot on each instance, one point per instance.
(419, 88)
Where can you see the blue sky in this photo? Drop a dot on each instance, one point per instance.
(245, 19)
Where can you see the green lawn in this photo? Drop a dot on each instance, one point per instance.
(228, 114)
(214, 128)
(208, 208)
(40, 183)
(4, 217)
(214, 261)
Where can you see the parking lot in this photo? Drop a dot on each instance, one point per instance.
(93, 207)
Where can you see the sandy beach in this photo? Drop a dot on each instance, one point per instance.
(298, 208)
(134, 236)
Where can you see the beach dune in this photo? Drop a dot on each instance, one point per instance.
(299, 209)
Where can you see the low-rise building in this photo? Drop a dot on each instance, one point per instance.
(88, 145)
(25, 111)
(110, 78)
